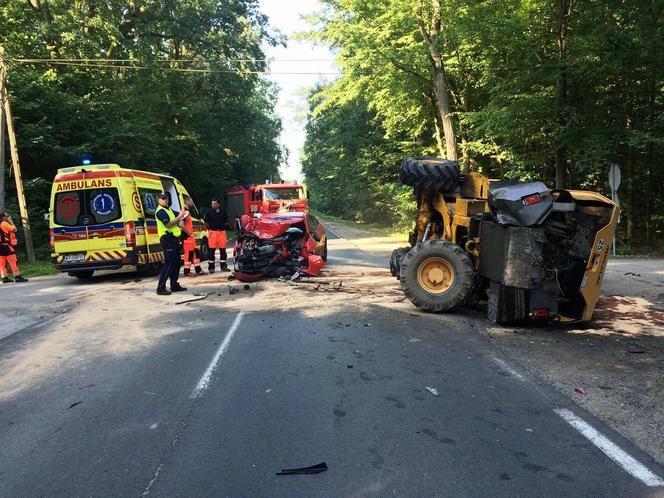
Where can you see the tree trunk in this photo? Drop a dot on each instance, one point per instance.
(565, 14)
(444, 108)
(440, 85)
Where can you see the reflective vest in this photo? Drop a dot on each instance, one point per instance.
(161, 228)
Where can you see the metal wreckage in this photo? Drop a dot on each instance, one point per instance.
(530, 252)
(279, 244)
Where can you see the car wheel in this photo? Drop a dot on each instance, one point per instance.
(324, 255)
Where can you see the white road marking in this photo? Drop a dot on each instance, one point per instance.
(610, 449)
(508, 368)
(205, 380)
(327, 227)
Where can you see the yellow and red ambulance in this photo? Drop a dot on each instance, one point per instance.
(102, 218)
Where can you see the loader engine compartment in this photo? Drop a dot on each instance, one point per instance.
(538, 271)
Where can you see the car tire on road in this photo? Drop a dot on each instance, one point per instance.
(324, 255)
(430, 173)
(436, 275)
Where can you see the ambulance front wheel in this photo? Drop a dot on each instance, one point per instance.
(82, 275)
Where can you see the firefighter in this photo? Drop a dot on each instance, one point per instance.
(216, 222)
(169, 236)
(8, 245)
(191, 253)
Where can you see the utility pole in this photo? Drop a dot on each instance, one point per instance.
(13, 148)
(2, 157)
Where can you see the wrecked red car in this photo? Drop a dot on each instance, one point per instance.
(279, 244)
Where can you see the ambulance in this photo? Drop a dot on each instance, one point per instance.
(102, 218)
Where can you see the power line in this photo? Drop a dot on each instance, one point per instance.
(66, 62)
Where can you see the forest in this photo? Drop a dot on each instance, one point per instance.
(552, 90)
(171, 86)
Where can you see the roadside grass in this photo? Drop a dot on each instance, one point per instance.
(377, 230)
(39, 268)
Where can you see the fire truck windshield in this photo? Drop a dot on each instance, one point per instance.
(276, 194)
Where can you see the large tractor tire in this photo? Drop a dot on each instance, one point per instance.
(436, 275)
(430, 173)
(396, 259)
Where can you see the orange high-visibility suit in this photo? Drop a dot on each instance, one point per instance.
(191, 253)
(8, 245)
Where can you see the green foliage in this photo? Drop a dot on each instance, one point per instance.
(210, 129)
(351, 169)
(523, 99)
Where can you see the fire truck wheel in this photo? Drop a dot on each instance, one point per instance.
(430, 173)
(436, 275)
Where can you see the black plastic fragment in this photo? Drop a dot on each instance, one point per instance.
(314, 469)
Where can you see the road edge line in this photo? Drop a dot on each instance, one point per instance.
(628, 463)
(207, 376)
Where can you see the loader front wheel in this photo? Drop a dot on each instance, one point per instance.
(436, 275)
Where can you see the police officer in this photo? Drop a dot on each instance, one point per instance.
(169, 235)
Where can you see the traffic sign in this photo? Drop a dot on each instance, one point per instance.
(614, 177)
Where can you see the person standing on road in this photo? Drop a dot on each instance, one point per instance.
(216, 222)
(8, 245)
(169, 236)
(191, 253)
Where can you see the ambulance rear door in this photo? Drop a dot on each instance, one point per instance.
(148, 187)
(105, 212)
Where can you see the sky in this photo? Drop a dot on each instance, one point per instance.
(297, 57)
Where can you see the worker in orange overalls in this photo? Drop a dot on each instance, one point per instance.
(8, 245)
(191, 253)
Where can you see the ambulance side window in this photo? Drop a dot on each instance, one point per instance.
(67, 208)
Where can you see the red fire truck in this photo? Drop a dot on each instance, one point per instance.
(268, 198)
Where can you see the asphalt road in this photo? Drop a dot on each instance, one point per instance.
(228, 397)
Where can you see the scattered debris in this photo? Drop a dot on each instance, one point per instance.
(150, 393)
(138, 280)
(74, 404)
(636, 349)
(633, 274)
(231, 277)
(232, 290)
(314, 469)
(199, 297)
(349, 366)
(578, 390)
(247, 287)
(432, 390)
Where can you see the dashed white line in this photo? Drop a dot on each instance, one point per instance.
(205, 380)
(612, 450)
